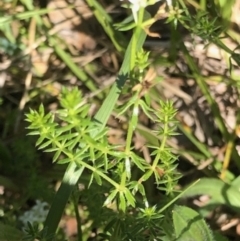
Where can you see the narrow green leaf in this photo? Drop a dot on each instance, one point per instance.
(97, 178)
(44, 145)
(146, 109)
(147, 175)
(120, 27)
(137, 161)
(56, 155)
(122, 202)
(90, 181)
(127, 106)
(130, 198)
(141, 189)
(52, 149)
(63, 161)
(33, 133)
(110, 197)
(92, 154)
(21, 16)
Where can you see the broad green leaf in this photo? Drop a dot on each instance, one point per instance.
(190, 226)
(236, 182)
(220, 192)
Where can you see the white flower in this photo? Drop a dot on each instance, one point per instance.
(137, 4)
(37, 214)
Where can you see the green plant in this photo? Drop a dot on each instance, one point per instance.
(70, 133)
(119, 174)
(124, 175)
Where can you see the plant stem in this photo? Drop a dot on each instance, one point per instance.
(163, 143)
(131, 127)
(78, 217)
(135, 37)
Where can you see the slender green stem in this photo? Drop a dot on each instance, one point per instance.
(133, 122)
(131, 127)
(177, 197)
(78, 217)
(163, 143)
(221, 45)
(123, 181)
(135, 37)
(155, 162)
